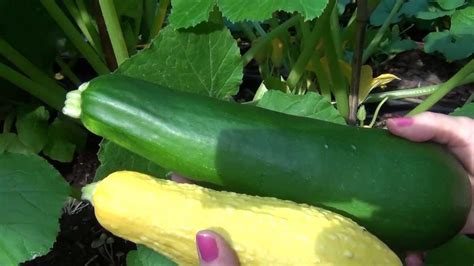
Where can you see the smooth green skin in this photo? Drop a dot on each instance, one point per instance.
(412, 196)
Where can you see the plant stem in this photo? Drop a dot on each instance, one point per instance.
(470, 99)
(263, 42)
(104, 37)
(362, 18)
(376, 113)
(76, 15)
(160, 18)
(340, 86)
(305, 30)
(90, 24)
(67, 71)
(310, 42)
(8, 122)
(88, 192)
(55, 100)
(322, 79)
(339, 83)
(370, 50)
(247, 31)
(415, 92)
(300, 65)
(335, 32)
(445, 88)
(76, 38)
(259, 28)
(24, 65)
(114, 29)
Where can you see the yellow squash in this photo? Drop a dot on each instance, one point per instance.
(165, 216)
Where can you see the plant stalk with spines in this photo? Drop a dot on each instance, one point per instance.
(444, 89)
(75, 37)
(114, 30)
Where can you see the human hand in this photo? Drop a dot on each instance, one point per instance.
(214, 250)
(456, 133)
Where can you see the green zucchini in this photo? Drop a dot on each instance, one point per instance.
(413, 196)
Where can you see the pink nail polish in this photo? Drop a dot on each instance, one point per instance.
(402, 121)
(207, 247)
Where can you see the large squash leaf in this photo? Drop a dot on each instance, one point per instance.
(208, 64)
(31, 199)
(187, 14)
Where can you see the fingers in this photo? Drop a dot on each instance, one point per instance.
(180, 179)
(414, 259)
(457, 133)
(213, 250)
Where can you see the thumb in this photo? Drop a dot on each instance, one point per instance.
(213, 250)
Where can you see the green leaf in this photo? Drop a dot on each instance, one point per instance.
(450, 4)
(341, 5)
(208, 64)
(32, 196)
(395, 47)
(424, 10)
(462, 22)
(382, 11)
(187, 14)
(451, 46)
(261, 10)
(456, 43)
(310, 105)
(113, 158)
(32, 128)
(466, 110)
(412, 7)
(458, 251)
(144, 256)
(64, 138)
(433, 14)
(9, 142)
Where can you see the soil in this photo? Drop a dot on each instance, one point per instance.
(417, 69)
(82, 241)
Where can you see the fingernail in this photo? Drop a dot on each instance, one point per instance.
(207, 247)
(402, 121)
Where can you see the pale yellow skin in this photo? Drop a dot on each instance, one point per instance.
(166, 216)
